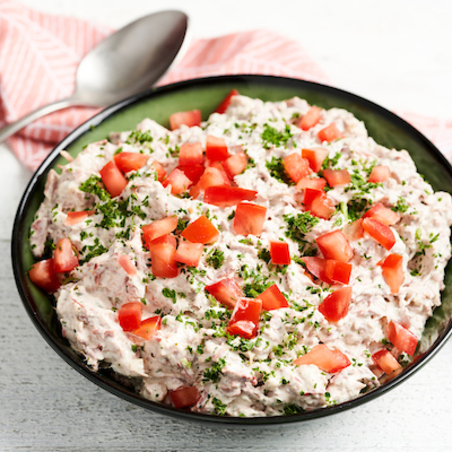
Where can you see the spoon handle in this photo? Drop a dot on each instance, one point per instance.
(14, 127)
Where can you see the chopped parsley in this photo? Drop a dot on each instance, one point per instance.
(297, 227)
(213, 373)
(169, 293)
(277, 170)
(215, 259)
(272, 136)
(94, 186)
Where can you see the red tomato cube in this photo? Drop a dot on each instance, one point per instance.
(326, 359)
(158, 228)
(130, 161)
(201, 231)
(77, 217)
(381, 213)
(227, 196)
(226, 291)
(296, 166)
(189, 253)
(379, 173)
(338, 272)
(334, 245)
(335, 306)
(212, 177)
(402, 338)
(379, 232)
(322, 206)
(193, 172)
(279, 252)
(127, 265)
(355, 230)
(310, 119)
(226, 101)
(216, 148)
(235, 164)
(185, 397)
(245, 310)
(163, 264)
(43, 275)
(161, 173)
(64, 257)
(189, 118)
(148, 327)
(392, 268)
(113, 179)
(315, 157)
(272, 299)
(315, 183)
(129, 316)
(336, 177)
(249, 219)
(191, 154)
(317, 267)
(330, 133)
(386, 362)
(178, 180)
(309, 195)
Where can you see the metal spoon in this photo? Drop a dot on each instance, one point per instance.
(127, 62)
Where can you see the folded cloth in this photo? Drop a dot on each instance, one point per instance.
(39, 55)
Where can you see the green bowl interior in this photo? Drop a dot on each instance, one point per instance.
(383, 126)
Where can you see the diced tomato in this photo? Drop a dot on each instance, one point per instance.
(235, 164)
(402, 338)
(326, 359)
(113, 179)
(43, 275)
(158, 228)
(309, 195)
(193, 172)
(226, 291)
(130, 161)
(355, 230)
(127, 265)
(296, 166)
(178, 180)
(65, 258)
(191, 154)
(77, 217)
(335, 306)
(249, 219)
(148, 327)
(272, 298)
(379, 232)
(185, 397)
(189, 118)
(216, 148)
(226, 101)
(381, 213)
(310, 119)
(212, 177)
(162, 251)
(392, 268)
(338, 272)
(189, 253)
(219, 166)
(129, 316)
(226, 196)
(379, 173)
(315, 183)
(334, 245)
(245, 310)
(279, 252)
(316, 157)
(317, 267)
(201, 231)
(336, 177)
(322, 207)
(330, 133)
(161, 173)
(385, 361)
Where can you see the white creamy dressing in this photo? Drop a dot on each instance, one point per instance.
(260, 381)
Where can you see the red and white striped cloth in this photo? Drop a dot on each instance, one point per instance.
(39, 55)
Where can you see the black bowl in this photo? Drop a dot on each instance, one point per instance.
(205, 94)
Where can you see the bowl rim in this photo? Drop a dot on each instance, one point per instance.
(121, 391)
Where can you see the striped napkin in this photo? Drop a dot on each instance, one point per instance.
(39, 55)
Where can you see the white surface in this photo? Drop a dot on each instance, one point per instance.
(394, 53)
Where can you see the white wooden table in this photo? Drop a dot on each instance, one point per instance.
(396, 54)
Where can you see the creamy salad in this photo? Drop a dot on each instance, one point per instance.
(270, 260)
